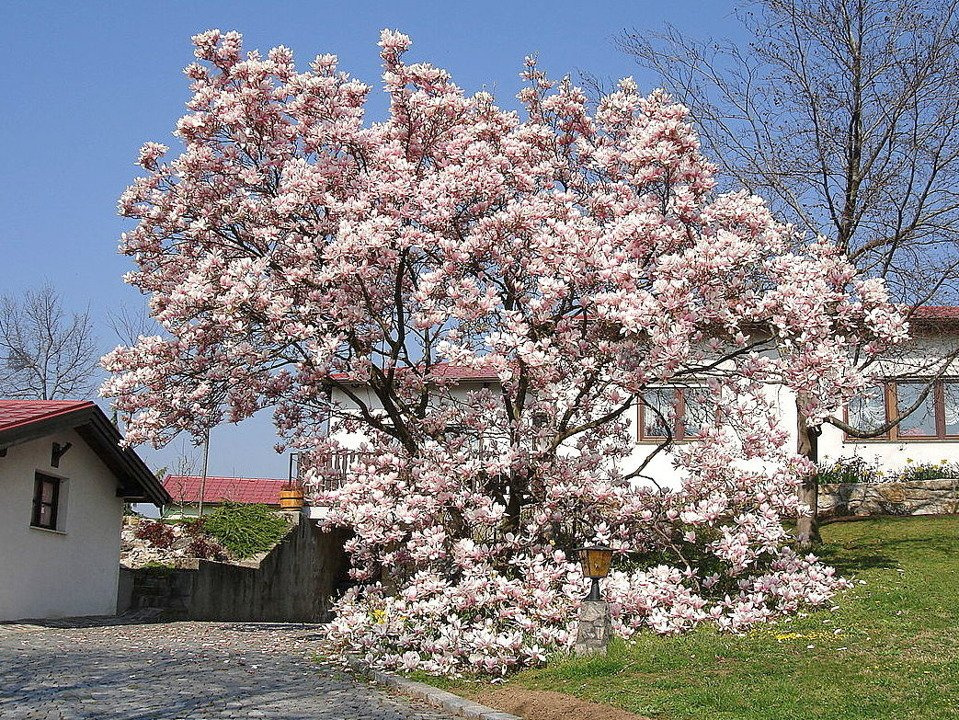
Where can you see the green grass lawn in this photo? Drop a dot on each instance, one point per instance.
(889, 650)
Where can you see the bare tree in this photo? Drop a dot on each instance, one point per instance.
(129, 324)
(844, 115)
(185, 463)
(45, 353)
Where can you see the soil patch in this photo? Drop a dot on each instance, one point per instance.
(549, 705)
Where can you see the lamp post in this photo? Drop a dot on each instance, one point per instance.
(595, 561)
(595, 627)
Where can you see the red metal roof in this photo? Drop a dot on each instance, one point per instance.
(186, 489)
(20, 413)
(447, 371)
(936, 312)
(459, 372)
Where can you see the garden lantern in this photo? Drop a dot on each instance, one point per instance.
(595, 561)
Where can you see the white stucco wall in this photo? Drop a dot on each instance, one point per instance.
(889, 455)
(74, 570)
(919, 358)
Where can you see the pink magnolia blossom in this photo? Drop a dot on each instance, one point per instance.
(300, 258)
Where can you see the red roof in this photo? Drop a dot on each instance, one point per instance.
(936, 312)
(459, 372)
(186, 489)
(20, 413)
(446, 371)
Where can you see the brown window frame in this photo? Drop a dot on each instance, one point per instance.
(40, 479)
(891, 397)
(678, 428)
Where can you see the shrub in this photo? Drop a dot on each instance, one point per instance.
(858, 470)
(245, 530)
(195, 528)
(157, 534)
(927, 471)
(201, 547)
(849, 470)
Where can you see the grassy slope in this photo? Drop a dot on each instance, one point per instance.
(890, 649)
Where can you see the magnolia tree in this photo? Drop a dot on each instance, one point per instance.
(299, 258)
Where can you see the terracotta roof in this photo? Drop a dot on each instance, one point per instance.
(936, 312)
(447, 371)
(20, 413)
(458, 372)
(186, 488)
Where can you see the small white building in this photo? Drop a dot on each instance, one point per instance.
(63, 482)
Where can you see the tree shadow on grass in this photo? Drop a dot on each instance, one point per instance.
(913, 547)
(861, 558)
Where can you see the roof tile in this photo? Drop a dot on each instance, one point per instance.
(186, 489)
(19, 413)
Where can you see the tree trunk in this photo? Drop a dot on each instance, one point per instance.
(807, 445)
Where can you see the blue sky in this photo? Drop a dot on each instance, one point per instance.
(86, 84)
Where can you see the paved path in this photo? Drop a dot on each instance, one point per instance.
(180, 671)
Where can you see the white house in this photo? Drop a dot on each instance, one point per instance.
(928, 435)
(63, 481)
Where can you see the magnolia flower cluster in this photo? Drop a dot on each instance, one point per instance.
(299, 258)
(713, 552)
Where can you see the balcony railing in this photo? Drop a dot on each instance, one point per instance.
(332, 468)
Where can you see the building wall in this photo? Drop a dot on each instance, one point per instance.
(888, 455)
(833, 444)
(70, 571)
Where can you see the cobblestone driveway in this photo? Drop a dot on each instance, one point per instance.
(200, 671)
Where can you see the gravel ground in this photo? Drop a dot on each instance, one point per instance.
(186, 670)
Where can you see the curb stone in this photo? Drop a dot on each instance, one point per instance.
(434, 696)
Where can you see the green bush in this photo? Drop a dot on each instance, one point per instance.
(858, 470)
(245, 530)
(927, 471)
(849, 470)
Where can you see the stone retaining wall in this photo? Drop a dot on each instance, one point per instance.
(292, 583)
(921, 497)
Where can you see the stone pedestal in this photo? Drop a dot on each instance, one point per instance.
(595, 628)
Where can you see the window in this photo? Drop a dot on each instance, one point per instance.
(921, 422)
(868, 410)
(46, 499)
(936, 416)
(683, 413)
(950, 408)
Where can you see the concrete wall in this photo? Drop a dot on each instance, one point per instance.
(71, 570)
(293, 583)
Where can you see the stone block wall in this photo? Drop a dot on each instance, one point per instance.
(921, 497)
(293, 583)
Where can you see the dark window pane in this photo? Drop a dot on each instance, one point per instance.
(867, 411)
(950, 401)
(921, 422)
(662, 400)
(698, 414)
(46, 496)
